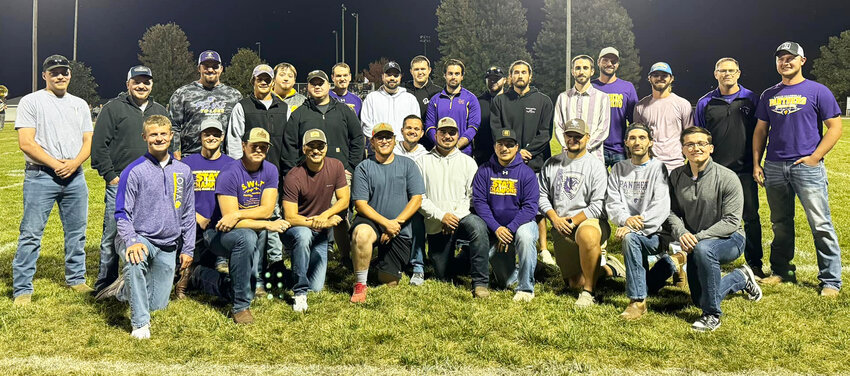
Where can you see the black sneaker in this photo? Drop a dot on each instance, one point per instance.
(752, 288)
(112, 290)
(706, 323)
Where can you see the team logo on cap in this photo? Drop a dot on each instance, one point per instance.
(785, 46)
(314, 134)
(506, 133)
(209, 55)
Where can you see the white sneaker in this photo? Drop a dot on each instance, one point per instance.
(523, 296)
(546, 258)
(142, 333)
(585, 299)
(300, 303)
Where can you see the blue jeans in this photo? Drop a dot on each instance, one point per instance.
(640, 279)
(504, 264)
(148, 283)
(417, 259)
(42, 188)
(611, 157)
(110, 244)
(441, 251)
(309, 258)
(240, 246)
(783, 180)
(707, 288)
(752, 222)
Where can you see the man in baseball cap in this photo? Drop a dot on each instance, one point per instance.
(387, 191)
(389, 104)
(622, 97)
(575, 208)
(55, 61)
(792, 48)
(482, 146)
(115, 144)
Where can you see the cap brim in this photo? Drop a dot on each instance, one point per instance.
(57, 66)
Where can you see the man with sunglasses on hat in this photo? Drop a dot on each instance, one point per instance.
(482, 145)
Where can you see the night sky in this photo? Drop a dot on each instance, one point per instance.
(690, 35)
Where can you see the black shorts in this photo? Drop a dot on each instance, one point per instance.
(393, 256)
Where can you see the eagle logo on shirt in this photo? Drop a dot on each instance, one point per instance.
(787, 104)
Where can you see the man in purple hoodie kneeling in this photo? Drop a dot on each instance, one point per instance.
(504, 195)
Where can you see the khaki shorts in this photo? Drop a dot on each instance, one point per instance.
(566, 249)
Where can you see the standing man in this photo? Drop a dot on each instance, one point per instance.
(55, 134)
(422, 88)
(389, 104)
(246, 192)
(206, 167)
(706, 202)
(482, 145)
(622, 98)
(667, 114)
(791, 115)
(584, 102)
(156, 218)
(307, 192)
(505, 195)
(448, 176)
(194, 102)
(115, 144)
(262, 109)
(638, 202)
(284, 87)
(341, 75)
(729, 113)
(386, 191)
(457, 103)
(2, 110)
(572, 196)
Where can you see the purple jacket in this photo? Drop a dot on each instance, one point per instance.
(505, 196)
(157, 203)
(463, 108)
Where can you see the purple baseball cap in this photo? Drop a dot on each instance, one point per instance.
(209, 55)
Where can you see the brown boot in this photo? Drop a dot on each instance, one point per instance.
(680, 278)
(243, 317)
(481, 292)
(183, 283)
(634, 311)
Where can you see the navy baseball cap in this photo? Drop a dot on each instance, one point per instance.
(139, 70)
(209, 55)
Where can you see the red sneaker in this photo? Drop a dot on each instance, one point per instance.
(359, 295)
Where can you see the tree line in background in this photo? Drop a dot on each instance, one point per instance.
(480, 33)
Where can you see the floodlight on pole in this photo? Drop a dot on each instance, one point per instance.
(336, 46)
(76, 18)
(342, 28)
(34, 45)
(356, 40)
(259, 50)
(424, 39)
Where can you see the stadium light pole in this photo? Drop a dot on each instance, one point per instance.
(34, 45)
(336, 46)
(76, 18)
(569, 41)
(259, 50)
(342, 28)
(356, 40)
(425, 39)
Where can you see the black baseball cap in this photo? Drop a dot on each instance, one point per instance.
(391, 65)
(506, 134)
(640, 126)
(792, 48)
(55, 61)
(494, 71)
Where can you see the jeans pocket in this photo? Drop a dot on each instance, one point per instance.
(32, 172)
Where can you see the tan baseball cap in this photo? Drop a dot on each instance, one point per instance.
(447, 122)
(259, 135)
(382, 127)
(313, 135)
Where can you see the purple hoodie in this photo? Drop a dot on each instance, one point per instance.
(157, 203)
(463, 108)
(505, 196)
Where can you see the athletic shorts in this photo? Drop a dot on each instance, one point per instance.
(393, 256)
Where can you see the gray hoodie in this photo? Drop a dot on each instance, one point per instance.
(571, 186)
(638, 190)
(709, 207)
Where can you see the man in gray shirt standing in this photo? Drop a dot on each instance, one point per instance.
(706, 202)
(55, 134)
(572, 195)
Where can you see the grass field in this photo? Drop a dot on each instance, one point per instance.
(434, 329)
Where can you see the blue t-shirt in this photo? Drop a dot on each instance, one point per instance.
(795, 114)
(206, 172)
(349, 99)
(234, 180)
(388, 187)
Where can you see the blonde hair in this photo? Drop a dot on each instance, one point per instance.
(156, 121)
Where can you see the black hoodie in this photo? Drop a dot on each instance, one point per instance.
(341, 127)
(117, 139)
(530, 116)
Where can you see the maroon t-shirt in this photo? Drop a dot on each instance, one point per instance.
(313, 191)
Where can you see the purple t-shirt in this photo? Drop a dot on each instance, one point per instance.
(206, 172)
(234, 180)
(795, 116)
(349, 99)
(622, 95)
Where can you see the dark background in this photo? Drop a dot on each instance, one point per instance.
(689, 35)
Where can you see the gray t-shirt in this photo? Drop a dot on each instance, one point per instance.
(388, 187)
(59, 122)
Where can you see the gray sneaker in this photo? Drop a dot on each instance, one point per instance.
(706, 323)
(112, 290)
(585, 299)
(617, 267)
(752, 288)
(418, 279)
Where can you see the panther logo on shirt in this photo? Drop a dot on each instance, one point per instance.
(570, 182)
(787, 104)
(425, 101)
(503, 187)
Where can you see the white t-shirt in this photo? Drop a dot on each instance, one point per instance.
(59, 122)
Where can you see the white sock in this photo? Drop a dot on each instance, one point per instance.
(142, 333)
(360, 276)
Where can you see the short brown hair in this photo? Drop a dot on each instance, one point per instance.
(282, 66)
(694, 130)
(419, 59)
(454, 62)
(339, 65)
